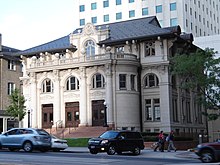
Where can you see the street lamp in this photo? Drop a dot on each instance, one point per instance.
(105, 115)
(28, 118)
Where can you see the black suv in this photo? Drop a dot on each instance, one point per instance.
(116, 142)
(209, 152)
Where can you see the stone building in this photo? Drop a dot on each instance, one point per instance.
(10, 72)
(123, 68)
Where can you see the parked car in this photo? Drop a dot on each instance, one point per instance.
(117, 142)
(26, 139)
(58, 144)
(209, 152)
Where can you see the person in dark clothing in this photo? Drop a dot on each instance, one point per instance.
(170, 139)
(161, 141)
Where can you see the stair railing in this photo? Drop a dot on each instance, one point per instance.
(59, 124)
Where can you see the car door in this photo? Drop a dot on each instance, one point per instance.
(122, 142)
(9, 138)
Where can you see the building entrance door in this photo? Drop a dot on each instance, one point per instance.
(98, 113)
(72, 114)
(47, 115)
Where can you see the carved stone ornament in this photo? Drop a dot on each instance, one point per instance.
(88, 29)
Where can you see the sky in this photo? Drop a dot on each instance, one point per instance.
(28, 23)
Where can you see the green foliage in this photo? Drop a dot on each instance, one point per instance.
(200, 72)
(77, 142)
(16, 109)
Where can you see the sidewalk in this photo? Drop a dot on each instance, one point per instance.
(144, 153)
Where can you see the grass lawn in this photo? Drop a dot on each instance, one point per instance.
(77, 142)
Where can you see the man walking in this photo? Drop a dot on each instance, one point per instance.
(161, 141)
(170, 139)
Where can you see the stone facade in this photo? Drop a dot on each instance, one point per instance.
(131, 77)
(10, 72)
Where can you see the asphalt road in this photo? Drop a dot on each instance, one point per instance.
(62, 158)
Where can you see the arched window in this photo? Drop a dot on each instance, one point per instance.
(90, 48)
(98, 81)
(72, 83)
(149, 49)
(151, 80)
(47, 86)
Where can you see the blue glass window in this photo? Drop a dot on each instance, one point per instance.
(131, 13)
(173, 22)
(82, 22)
(173, 6)
(106, 18)
(118, 2)
(130, 1)
(94, 20)
(118, 16)
(145, 11)
(159, 9)
(81, 8)
(106, 3)
(93, 6)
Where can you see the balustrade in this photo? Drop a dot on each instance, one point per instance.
(101, 57)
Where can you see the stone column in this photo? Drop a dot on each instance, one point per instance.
(56, 103)
(83, 98)
(109, 95)
(33, 100)
(165, 98)
(5, 124)
(62, 105)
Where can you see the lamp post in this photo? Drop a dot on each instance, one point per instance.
(28, 118)
(105, 115)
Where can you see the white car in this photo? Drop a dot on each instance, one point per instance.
(58, 144)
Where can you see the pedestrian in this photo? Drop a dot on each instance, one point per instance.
(170, 139)
(161, 141)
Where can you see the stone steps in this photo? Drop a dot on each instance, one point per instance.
(77, 132)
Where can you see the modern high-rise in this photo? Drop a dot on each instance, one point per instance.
(200, 17)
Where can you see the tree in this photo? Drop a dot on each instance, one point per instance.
(202, 72)
(16, 109)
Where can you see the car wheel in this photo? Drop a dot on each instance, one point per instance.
(111, 150)
(28, 147)
(93, 151)
(207, 156)
(136, 151)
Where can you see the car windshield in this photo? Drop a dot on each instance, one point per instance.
(109, 135)
(42, 132)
